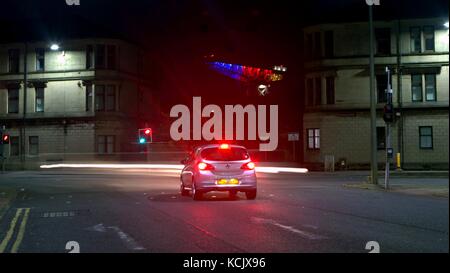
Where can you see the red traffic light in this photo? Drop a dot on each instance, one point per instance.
(145, 135)
(5, 139)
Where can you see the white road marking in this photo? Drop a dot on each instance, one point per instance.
(302, 233)
(99, 228)
(127, 239)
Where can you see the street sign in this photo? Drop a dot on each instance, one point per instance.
(390, 152)
(293, 137)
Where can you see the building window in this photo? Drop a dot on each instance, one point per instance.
(14, 56)
(14, 148)
(105, 98)
(308, 46)
(381, 88)
(100, 56)
(110, 98)
(89, 97)
(33, 143)
(330, 90)
(329, 44)
(99, 98)
(90, 57)
(416, 41)
(383, 41)
(309, 92)
(416, 87)
(318, 91)
(111, 59)
(39, 99)
(426, 137)
(428, 35)
(430, 87)
(317, 45)
(313, 139)
(381, 138)
(40, 59)
(13, 101)
(105, 144)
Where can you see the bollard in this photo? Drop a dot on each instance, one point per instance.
(398, 161)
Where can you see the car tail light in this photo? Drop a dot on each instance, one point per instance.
(205, 166)
(248, 166)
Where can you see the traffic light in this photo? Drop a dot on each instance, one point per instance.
(145, 135)
(5, 139)
(388, 113)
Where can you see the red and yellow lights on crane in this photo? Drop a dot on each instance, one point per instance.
(262, 77)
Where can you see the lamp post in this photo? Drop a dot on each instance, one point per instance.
(56, 47)
(25, 89)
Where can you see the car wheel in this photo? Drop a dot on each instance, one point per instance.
(183, 190)
(232, 194)
(196, 195)
(250, 194)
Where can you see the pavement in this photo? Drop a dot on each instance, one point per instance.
(132, 210)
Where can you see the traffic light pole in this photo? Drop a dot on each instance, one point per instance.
(389, 152)
(373, 110)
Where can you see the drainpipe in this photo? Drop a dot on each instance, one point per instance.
(25, 85)
(400, 145)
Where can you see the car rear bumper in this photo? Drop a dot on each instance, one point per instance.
(228, 188)
(209, 183)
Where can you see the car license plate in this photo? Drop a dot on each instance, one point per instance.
(224, 181)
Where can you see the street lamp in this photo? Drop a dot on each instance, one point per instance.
(54, 47)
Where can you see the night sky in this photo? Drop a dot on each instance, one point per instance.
(179, 33)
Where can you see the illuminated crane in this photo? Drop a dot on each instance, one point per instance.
(261, 77)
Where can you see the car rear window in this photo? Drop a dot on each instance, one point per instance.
(231, 154)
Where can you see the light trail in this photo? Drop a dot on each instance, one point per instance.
(166, 167)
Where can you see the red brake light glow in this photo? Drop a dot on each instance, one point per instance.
(205, 166)
(224, 146)
(248, 166)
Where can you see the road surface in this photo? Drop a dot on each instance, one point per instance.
(129, 210)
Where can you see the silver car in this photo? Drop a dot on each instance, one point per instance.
(218, 167)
